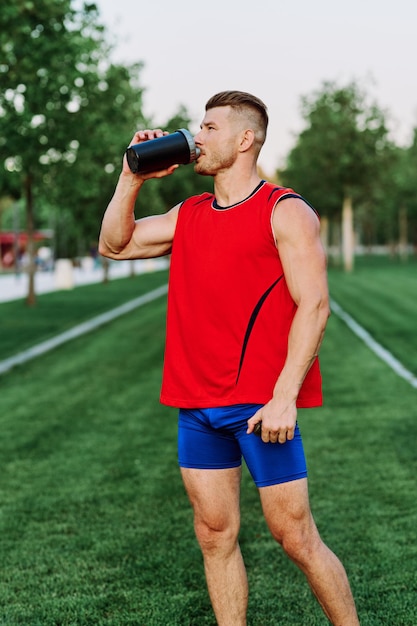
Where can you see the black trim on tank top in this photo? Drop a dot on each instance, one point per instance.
(292, 195)
(223, 208)
(252, 321)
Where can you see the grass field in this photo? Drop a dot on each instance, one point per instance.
(58, 311)
(381, 295)
(95, 528)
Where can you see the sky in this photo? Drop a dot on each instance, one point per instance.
(279, 50)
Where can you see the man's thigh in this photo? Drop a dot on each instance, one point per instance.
(214, 495)
(286, 507)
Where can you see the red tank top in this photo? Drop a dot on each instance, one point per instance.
(229, 307)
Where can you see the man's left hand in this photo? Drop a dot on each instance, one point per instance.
(277, 422)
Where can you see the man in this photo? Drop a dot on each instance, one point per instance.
(247, 309)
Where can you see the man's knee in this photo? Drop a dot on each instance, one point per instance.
(216, 534)
(299, 539)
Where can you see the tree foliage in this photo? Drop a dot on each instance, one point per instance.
(341, 159)
(49, 58)
(66, 115)
(342, 149)
(406, 184)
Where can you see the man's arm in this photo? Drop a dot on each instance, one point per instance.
(297, 232)
(123, 237)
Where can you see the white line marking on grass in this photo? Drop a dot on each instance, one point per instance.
(80, 329)
(379, 350)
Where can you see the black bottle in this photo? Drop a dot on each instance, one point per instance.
(158, 154)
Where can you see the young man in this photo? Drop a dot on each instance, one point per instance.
(247, 309)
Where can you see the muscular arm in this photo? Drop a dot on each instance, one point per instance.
(297, 231)
(123, 237)
(296, 228)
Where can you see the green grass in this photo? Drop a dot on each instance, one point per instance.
(95, 528)
(22, 327)
(381, 294)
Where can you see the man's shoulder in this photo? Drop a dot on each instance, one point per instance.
(278, 193)
(273, 192)
(198, 199)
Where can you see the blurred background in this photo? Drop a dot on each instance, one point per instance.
(76, 80)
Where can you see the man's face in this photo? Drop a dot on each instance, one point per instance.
(218, 142)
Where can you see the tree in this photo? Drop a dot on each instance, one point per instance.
(66, 114)
(339, 156)
(48, 51)
(83, 188)
(405, 188)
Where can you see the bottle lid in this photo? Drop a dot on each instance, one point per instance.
(194, 151)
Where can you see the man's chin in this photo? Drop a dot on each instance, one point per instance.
(200, 169)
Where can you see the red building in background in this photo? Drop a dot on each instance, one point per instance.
(12, 244)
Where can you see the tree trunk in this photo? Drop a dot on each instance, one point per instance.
(348, 235)
(403, 231)
(106, 269)
(16, 250)
(30, 227)
(324, 233)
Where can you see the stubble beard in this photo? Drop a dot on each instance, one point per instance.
(210, 165)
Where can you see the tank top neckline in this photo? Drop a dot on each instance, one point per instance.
(217, 206)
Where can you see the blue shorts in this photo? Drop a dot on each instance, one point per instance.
(217, 439)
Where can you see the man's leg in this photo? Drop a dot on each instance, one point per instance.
(214, 495)
(287, 512)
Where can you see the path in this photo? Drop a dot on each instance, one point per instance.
(15, 287)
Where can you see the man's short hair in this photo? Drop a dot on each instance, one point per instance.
(244, 103)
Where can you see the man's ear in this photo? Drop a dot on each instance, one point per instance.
(247, 140)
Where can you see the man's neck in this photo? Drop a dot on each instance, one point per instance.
(231, 188)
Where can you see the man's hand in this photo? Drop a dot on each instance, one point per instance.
(277, 419)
